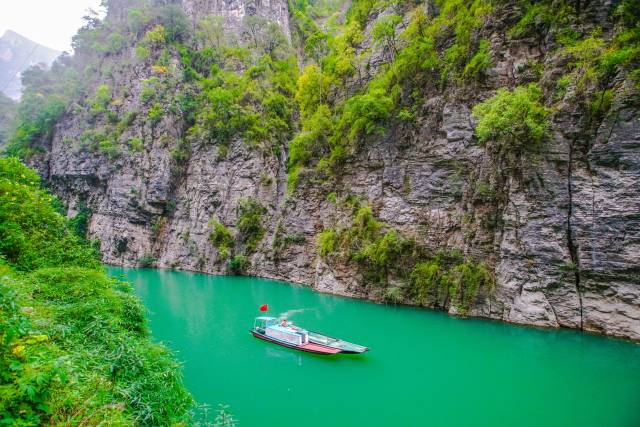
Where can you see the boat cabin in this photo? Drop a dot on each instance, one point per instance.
(270, 327)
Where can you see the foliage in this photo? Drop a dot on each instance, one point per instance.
(80, 222)
(419, 54)
(384, 31)
(238, 264)
(479, 63)
(101, 99)
(394, 295)
(156, 36)
(155, 113)
(249, 223)
(364, 113)
(255, 105)
(135, 144)
(32, 233)
(37, 118)
(448, 278)
(147, 260)
(221, 238)
(594, 62)
(515, 120)
(538, 19)
(327, 242)
(439, 279)
(174, 22)
(464, 280)
(425, 277)
(46, 95)
(74, 345)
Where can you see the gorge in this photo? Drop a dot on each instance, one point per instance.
(482, 158)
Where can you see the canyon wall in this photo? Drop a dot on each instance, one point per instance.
(562, 236)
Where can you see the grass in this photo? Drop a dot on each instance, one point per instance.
(75, 348)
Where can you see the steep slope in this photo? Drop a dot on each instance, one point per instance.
(400, 173)
(17, 53)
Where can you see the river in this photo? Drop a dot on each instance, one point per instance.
(425, 368)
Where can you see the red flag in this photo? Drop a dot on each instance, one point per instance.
(264, 307)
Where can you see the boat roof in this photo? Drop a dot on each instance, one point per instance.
(265, 318)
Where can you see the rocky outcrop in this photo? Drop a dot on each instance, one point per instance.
(563, 235)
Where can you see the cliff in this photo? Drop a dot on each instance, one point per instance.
(547, 224)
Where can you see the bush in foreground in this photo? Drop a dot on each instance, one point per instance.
(74, 345)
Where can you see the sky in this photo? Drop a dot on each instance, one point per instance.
(51, 23)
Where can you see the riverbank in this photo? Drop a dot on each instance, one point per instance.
(75, 348)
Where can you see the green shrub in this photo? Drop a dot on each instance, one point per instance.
(156, 36)
(537, 20)
(150, 89)
(479, 63)
(238, 264)
(142, 51)
(36, 118)
(115, 42)
(384, 31)
(221, 238)
(425, 279)
(249, 223)
(109, 148)
(327, 242)
(80, 222)
(135, 144)
(601, 104)
(147, 260)
(101, 99)
(363, 114)
(32, 233)
(394, 295)
(464, 282)
(74, 345)
(155, 113)
(377, 255)
(136, 20)
(516, 121)
(174, 21)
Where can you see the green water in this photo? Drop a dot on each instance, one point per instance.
(424, 368)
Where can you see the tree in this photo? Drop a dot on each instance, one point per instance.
(514, 120)
(384, 32)
(175, 22)
(274, 39)
(253, 28)
(211, 31)
(317, 46)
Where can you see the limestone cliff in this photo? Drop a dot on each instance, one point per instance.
(562, 235)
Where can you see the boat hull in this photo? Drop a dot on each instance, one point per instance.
(343, 346)
(308, 348)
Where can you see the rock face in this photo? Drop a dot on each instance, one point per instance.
(235, 11)
(564, 239)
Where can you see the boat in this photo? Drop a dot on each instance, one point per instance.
(286, 334)
(343, 346)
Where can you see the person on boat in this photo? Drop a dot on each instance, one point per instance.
(283, 322)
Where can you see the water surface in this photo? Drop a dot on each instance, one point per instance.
(424, 368)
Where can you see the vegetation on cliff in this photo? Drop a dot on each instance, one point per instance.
(74, 344)
(400, 267)
(234, 248)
